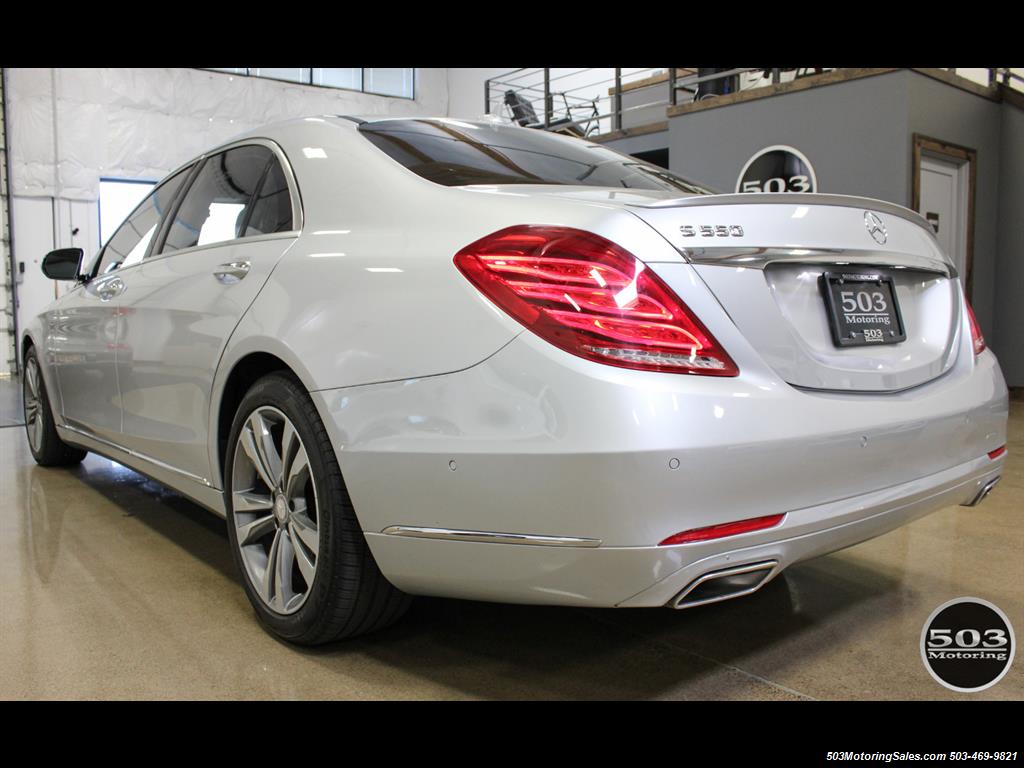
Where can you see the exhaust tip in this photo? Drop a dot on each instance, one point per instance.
(725, 584)
(985, 491)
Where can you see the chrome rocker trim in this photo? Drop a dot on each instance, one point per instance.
(488, 537)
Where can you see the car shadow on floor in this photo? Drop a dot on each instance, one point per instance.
(537, 652)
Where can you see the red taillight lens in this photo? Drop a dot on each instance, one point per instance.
(723, 530)
(976, 338)
(592, 298)
(997, 452)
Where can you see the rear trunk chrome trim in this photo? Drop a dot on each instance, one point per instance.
(489, 537)
(759, 258)
(792, 198)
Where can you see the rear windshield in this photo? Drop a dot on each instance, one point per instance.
(454, 153)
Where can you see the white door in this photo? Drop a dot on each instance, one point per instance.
(944, 205)
(32, 219)
(35, 233)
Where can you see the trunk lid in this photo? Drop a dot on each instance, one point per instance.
(763, 257)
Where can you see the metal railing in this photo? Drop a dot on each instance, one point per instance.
(602, 100)
(593, 101)
(1007, 77)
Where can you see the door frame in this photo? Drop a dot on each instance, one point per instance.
(959, 155)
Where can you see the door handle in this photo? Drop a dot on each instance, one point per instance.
(109, 289)
(232, 272)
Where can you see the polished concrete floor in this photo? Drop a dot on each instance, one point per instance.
(114, 587)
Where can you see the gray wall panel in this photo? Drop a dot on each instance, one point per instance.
(1009, 284)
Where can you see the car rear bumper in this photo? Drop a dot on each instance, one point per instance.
(535, 442)
(653, 576)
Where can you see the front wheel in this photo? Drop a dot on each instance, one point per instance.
(305, 564)
(47, 448)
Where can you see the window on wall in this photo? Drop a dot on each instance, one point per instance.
(399, 82)
(118, 198)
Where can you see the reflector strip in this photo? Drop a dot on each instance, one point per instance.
(723, 530)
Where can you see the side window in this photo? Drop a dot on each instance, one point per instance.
(128, 244)
(272, 211)
(216, 205)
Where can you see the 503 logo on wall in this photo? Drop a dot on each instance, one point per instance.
(777, 169)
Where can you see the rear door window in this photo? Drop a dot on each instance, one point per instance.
(272, 211)
(218, 205)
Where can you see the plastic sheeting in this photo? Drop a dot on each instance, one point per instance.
(143, 123)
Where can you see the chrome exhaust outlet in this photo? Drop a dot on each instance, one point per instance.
(985, 491)
(725, 584)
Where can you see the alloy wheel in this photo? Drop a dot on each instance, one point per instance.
(276, 515)
(33, 404)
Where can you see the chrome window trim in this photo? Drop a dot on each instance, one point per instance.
(196, 163)
(489, 537)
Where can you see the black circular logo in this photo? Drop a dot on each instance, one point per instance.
(777, 169)
(967, 644)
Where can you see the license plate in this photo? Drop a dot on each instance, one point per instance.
(862, 309)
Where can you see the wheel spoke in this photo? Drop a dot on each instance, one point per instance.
(247, 501)
(289, 442)
(259, 447)
(307, 564)
(38, 430)
(33, 378)
(254, 530)
(298, 471)
(285, 561)
(31, 408)
(270, 587)
(307, 533)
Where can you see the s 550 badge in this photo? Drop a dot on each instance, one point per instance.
(712, 230)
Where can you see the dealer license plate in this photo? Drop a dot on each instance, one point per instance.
(862, 309)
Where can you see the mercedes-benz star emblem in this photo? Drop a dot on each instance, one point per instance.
(875, 227)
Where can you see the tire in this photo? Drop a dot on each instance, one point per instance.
(306, 520)
(47, 448)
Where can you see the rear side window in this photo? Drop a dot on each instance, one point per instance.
(128, 244)
(272, 211)
(220, 203)
(456, 153)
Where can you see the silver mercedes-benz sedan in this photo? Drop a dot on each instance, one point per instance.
(438, 357)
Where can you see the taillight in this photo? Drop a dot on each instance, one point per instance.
(976, 338)
(592, 298)
(723, 530)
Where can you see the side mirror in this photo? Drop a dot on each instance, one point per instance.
(63, 264)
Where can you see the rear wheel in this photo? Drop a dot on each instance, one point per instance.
(47, 448)
(304, 561)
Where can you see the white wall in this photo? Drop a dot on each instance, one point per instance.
(466, 89)
(68, 127)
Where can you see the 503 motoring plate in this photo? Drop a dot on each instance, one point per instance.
(862, 309)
